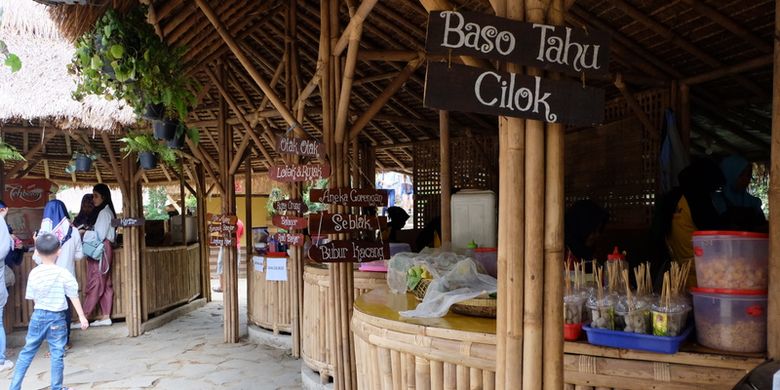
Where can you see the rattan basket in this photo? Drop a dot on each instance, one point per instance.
(477, 307)
(422, 287)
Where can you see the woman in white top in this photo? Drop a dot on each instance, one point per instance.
(99, 286)
(56, 221)
(6, 244)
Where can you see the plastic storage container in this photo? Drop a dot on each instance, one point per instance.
(488, 258)
(731, 260)
(474, 217)
(730, 320)
(618, 339)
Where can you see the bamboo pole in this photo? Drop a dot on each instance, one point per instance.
(746, 66)
(31, 153)
(346, 84)
(445, 180)
(205, 252)
(244, 60)
(552, 355)
(133, 248)
(248, 228)
(511, 238)
(633, 104)
(355, 24)
(773, 326)
(685, 116)
(384, 97)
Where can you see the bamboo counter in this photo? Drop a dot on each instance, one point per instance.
(315, 327)
(458, 352)
(270, 303)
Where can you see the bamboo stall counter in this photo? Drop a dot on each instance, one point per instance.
(458, 351)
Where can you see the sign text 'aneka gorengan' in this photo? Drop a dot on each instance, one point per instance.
(457, 87)
(354, 197)
(555, 48)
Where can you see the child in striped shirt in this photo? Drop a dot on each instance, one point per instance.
(48, 285)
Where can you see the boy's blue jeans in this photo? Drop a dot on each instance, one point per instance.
(49, 326)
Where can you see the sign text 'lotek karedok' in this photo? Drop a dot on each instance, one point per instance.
(557, 48)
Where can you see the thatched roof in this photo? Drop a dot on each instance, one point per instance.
(41, 91)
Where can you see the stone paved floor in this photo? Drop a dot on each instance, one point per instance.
(187, 353)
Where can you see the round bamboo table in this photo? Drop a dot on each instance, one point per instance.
(270, 306)
(315, 327)
(459, 352)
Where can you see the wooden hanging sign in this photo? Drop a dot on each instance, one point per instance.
(341, 251)
(357, 197)
(300, 147)
(457, 87)
(288, 222)
(292, 205)
(556, 48)
(221, 229)
(326, 223)
(127, 222)
(295, 173)
(294, 239)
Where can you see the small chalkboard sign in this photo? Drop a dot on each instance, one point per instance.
(355, 197)
(289, 223)
(296, 173)
(127, 222)
(300, 147)
(350, 251)
(326, 223)
(221, 229)
(294, 239)
(291, 205)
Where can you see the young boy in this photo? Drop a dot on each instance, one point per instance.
(48, 285)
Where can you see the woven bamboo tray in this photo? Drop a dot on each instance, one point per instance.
(421, 289)
(477, 307)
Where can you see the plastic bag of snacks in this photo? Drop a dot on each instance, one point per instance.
(432, 262)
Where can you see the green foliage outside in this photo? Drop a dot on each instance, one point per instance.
(191, 203)
(137, 143)
(11, 60)
(154, 209)
(8, 152)
(759, 186)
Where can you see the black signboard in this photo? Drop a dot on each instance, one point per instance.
(456, 87)
(557, 48)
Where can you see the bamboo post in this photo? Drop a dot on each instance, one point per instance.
(346, 85)
(773, 326)
(445, 179)
(533, 285)
(182, 205)
(205, 251)
(248, 231)
(131, 257)
(552, 365)
(229, 264)
(511, 237)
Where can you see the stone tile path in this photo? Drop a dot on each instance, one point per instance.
(187, 353)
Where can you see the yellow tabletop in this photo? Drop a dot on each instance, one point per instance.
(384, 304)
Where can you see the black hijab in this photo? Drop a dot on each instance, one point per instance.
(582, 219)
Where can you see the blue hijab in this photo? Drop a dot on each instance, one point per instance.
(732, 168)
(56, 220)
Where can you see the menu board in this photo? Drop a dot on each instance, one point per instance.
(342, 251)
(221, 229)
(291, 205)
(326, 223)
(289, 222)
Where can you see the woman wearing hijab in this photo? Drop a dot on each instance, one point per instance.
(85, 213)
(739, 209)
(398, 218)
(99, 286)
(6, 244)
(584, 221)
(55, 221)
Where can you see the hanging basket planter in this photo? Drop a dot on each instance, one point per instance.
(83, 164)
(165, 130)
(154, 112)
(176, 142)
(148, 160)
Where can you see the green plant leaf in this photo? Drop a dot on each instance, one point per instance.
(96, 63)
(117, 51)
(12, 61)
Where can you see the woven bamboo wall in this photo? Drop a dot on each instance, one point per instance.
(473, 163)
(616, 164)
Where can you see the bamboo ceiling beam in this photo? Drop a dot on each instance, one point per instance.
(728, 123)
(388, 55)
(355, 23)
(373, 79)
(718, 139)
(81, 139)
(46, 172)
(30, 154)
(249, 131)
(220, 27)
(277, 75)
(151, 17)
(227, 11)
(678, 41)
(177, 26)
(165, 172)
(634, 105)
(114, 162)
(268, 133)
(69, 149)
(730, 70)
(204, 159)
(167, 8)
(217, 49)
(30, 166)
(730, 25)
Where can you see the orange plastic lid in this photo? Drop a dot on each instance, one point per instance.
(730, 233)
(702, 290)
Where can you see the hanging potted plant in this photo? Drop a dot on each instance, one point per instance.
(83, 161)
(182, 131)
(9, 153)
(149, 150)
